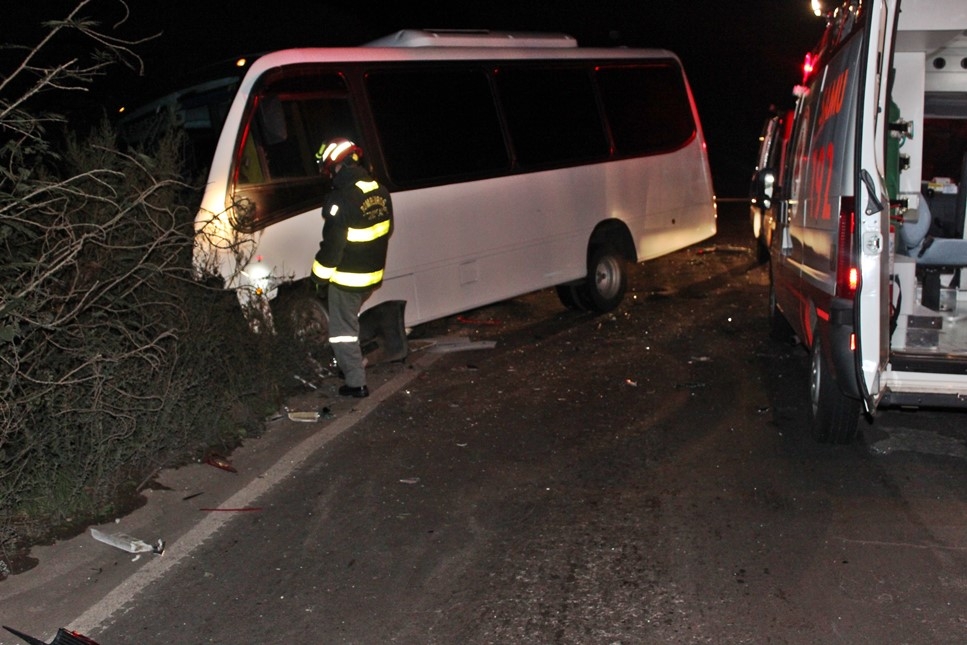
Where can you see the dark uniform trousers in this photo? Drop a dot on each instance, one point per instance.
(344, 309)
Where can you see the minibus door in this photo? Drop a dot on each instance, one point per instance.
(872, 301)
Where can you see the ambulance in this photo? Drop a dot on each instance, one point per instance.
(863, 214)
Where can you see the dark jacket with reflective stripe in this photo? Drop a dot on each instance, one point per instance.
(358, 220)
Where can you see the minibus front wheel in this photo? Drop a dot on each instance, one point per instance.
(301, 315)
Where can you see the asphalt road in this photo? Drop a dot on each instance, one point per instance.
(641, 477)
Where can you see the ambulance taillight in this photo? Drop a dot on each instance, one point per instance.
(847, 271)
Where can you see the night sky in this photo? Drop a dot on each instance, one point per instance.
(740, 57)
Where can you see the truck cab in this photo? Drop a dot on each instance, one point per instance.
(864, 222)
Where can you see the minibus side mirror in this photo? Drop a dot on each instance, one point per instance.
(764, 186)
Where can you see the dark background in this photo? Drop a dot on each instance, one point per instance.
(741, 58)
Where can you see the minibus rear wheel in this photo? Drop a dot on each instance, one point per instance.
(572, 296)
(607, 280)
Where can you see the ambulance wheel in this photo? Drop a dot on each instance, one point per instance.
(607, 280)
(834, 417)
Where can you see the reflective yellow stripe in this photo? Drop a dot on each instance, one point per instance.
(322, 272)
(368, 234)
(367, 186)
(335, 340)
(329, 152)
(356, 279)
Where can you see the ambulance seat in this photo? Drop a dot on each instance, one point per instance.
(926, 249)
(930, 246)
(936, 256)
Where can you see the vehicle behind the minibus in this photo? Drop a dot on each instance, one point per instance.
(865, 225)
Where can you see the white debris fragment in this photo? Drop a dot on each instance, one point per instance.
(447, 344)
(304, 417)
(128, 543)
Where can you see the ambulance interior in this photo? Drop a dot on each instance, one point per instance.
(928, 189)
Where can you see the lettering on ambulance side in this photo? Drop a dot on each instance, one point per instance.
(800, 166)
(824, 156)
(833, 99)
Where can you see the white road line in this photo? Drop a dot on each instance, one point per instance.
(98, 615)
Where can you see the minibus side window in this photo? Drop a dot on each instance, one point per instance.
(291, 113)
(436, 124)
(286, 131)
(647, 108)
(552, 115)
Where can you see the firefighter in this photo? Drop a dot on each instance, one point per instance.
(357, 222)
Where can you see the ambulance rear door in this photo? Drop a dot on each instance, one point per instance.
(871, 237)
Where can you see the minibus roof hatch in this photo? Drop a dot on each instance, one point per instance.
(472, 38)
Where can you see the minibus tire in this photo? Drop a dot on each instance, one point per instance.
(834, 417)
(571, 297)
(305, 317)
(607, 279)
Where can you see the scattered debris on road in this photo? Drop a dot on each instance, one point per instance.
(489, 322)
(63, 637)
(220, 462)
(304, 417)
(128, 543)
(447, 344)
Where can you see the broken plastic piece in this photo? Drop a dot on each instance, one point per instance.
(476, 321)
(304, 417)
(220, 462)
(128, 543)
(722, 249)
(63, 637)
(309, 385)
(694, 385)
(446, 344)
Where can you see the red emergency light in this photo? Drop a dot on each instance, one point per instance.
(808, 67)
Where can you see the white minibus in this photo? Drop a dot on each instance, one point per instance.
(516, 162)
